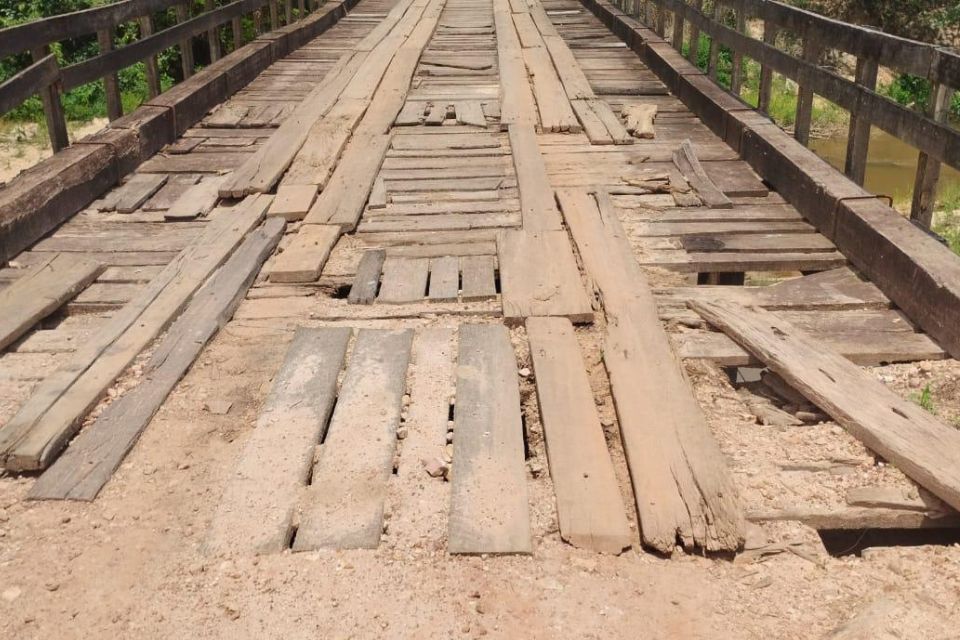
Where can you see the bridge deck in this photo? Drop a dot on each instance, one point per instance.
(357, 432)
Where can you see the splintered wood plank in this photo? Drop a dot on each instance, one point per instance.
(444, 279)
(255, 514)
(42, 290)
(411, 114)
(479, 279)
(684, 491)
(489, 511)
(639, 120)
(404, 280)
(303, 259)
(293, 201)
(367, 279)
(593, 126)
(138, 190)
(537, 204)
(469, 112)
(96, 453)
(344, 507)
(516, 99)
(539, 277)
(589, 505)
(618, 133)
(198, 200)
(922, 446)
(37, 434)
(552, 103)
(686, 160)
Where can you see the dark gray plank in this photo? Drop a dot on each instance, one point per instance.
(367, 279)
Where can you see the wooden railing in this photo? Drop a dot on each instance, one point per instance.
(48, 80)
(929, 131)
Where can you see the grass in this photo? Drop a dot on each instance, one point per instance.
(925, 400)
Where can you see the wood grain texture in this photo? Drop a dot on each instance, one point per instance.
(489, 511)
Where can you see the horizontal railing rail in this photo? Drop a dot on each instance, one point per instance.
(928, 131)
(48, 80)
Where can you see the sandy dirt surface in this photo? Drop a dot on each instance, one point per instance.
(24, 145)
(132, 565)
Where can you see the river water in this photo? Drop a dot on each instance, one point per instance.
(891, 165)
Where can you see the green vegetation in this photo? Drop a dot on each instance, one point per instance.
(925, 400)
(89, 101)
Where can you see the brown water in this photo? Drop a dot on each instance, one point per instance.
(891, 165)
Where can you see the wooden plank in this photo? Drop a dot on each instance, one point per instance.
(920, 445)
(640, 119)
(479, 280)
(367, 279)
(589, 506)
(92, 458)
(138, 190)
(196, 201)
(684, 492)
(537, 204)
(615, 128)
(686, 160)
(255, 514)
(444, 279)
(516, 99)
(345, 506)
(489, 510)
(593, 126)
(470, 113)
(404, 280)
(303, 259)
(539, 277)
(293, 201)
(41, 291)
(35, 436)
(552, 103)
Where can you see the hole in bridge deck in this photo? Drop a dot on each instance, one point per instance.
(852, 542)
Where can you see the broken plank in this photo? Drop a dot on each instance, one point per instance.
(922, 446)
(41, 291)
(639, 120)
(138, 190)
(686, 160)
(489, 511)
(589, 506)
(671, 453)
(198, 200)
(367, 279)
(344, 508)
(96, 453)
(470, 113)
(256, 511)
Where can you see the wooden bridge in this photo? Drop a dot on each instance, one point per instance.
(475, 227)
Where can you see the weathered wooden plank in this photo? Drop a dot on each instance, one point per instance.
(138, 190)
(470, 113)
(479, 279)
(41, 291)
(920, 445)
(404, 280)
(589, 505)
(367, 279)
(489, 512)
(197, 201)
(303, 259)
(255, 514)
(537, 204)
(670, 451)
(444, 279)
(92, 458)
(539, 277)
(293, 201)
(345, 506)
(40, 430)
(686, 160)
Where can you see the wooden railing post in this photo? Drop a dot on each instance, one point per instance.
(258, 21)
(273, 14)
(928, 169)
(150, 64)
(237, 29)
(213, 35)
(736, 74)
(301, 9)
(288, 11)
(677, 31)
(52, 108)
(858, 140)
(186, 46)
(111, 84)
(693, 52)
(811, 54)
(770, 32)
(714, 46)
